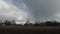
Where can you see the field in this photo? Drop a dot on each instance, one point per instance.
(13, 29)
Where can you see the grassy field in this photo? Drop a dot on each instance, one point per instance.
(13, 29)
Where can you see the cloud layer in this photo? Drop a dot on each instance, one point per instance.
(44, 9)
(9, 11)
(33, 10)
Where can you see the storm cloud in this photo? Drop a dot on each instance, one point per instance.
(44, 9)
(40, 10)
(32, 10)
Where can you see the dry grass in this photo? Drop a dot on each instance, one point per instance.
(14, 27)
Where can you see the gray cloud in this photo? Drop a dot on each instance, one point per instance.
(10, 11)
(39, 9)
(34, 10)
(43, 9)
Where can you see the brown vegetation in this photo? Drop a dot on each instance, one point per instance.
(29, 28)
(41, 26)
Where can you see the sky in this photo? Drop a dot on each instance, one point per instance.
(29, 10)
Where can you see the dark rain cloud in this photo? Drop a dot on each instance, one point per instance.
(38, 9)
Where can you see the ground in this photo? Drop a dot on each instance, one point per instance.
(13, 29)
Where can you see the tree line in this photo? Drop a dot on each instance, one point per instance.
(46, 23)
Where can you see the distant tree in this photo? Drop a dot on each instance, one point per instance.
(48, 23)
(42, 24)
(55, 22)
(30, 24)
(27, 22)
(19, 25)
(7, 22)
(36, 24)
(13, 22)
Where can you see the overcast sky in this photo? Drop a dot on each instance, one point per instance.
(33, 10)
